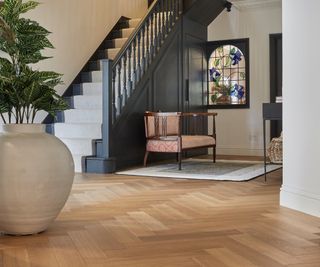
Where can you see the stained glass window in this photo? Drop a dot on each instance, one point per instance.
(227, 76)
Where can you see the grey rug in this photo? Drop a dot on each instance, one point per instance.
(226, 170)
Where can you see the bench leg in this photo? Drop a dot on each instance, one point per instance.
(214, 154)
(145, 158)
(179, 160)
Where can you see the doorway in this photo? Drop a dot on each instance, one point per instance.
(275, 77)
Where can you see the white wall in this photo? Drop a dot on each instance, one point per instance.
(78, 27)
(239, 131)
(301, 121)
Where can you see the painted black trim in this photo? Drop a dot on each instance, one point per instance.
(204, 11)
(243, 44)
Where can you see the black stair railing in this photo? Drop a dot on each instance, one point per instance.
(136, 55)
(121, 76)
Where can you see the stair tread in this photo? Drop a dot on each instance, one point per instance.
(91, 83)
(128, 29)
(120, 39)
(113, 49)
(76, 138)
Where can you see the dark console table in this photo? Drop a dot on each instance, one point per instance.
(271, 112)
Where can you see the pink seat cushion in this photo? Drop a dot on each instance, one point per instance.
(171, 143)
(192, 141)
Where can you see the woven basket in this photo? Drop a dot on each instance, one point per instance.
(275, 150)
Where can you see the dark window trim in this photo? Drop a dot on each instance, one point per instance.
(243, 44)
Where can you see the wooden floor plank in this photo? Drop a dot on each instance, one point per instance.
(41, 254)
(66, 252)
(86, 245)
(229, 258)
(127, 221)
(16, 257)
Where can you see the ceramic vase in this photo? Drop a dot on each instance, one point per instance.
(36, 176)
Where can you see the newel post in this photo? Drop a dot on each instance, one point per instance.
(107, 109)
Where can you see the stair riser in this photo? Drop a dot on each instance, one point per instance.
(134, 23)
(91, 89)
(78, 146)
(125, 33)
(77, 159)
(98, 149)
(87, 131)
(83, 116)
(95, 65)
(87, 102)
(92, 76)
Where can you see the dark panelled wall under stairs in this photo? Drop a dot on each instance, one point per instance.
(175, 81)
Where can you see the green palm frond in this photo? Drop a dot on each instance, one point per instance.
(27, 26)
(25, 7)
(23, 90)
(6, 34)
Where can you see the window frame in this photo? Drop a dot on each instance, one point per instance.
(243, 45)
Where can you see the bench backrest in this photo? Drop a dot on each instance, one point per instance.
(162, 124)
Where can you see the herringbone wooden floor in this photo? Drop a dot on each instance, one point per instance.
(121, 221)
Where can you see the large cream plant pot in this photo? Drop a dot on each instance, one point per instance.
(36, 176)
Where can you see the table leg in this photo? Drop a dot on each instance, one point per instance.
(264, 150)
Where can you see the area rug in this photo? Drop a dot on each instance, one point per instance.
(225, 170)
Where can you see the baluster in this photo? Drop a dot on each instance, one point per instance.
(135, 62)
(171, 13)
(139, 57)
(152, 39)
(130, 71)
(167, 16)
(114, 109)
(162, 22)
(125, 93)
(119, 108)
(143, 50)
(176, 10)
(156, 30)
(147, 44)
(159, 24)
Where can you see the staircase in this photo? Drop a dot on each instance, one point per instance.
(104, 128)
(77, 127)
(122, 78)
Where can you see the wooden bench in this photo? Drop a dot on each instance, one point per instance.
(164, 133)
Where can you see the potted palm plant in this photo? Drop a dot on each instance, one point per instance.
(36, 169)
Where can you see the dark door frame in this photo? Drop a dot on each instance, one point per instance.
(275, 126)
(273, 38)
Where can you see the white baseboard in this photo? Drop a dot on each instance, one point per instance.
(300, 200)
(238, 151)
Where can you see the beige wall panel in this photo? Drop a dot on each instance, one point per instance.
(239, 131)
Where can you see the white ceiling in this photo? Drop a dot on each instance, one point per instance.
(255, 3)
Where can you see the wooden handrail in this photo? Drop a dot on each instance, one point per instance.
(185, 114)
(194, 114)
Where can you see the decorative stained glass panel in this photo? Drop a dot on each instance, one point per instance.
(228, 85)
